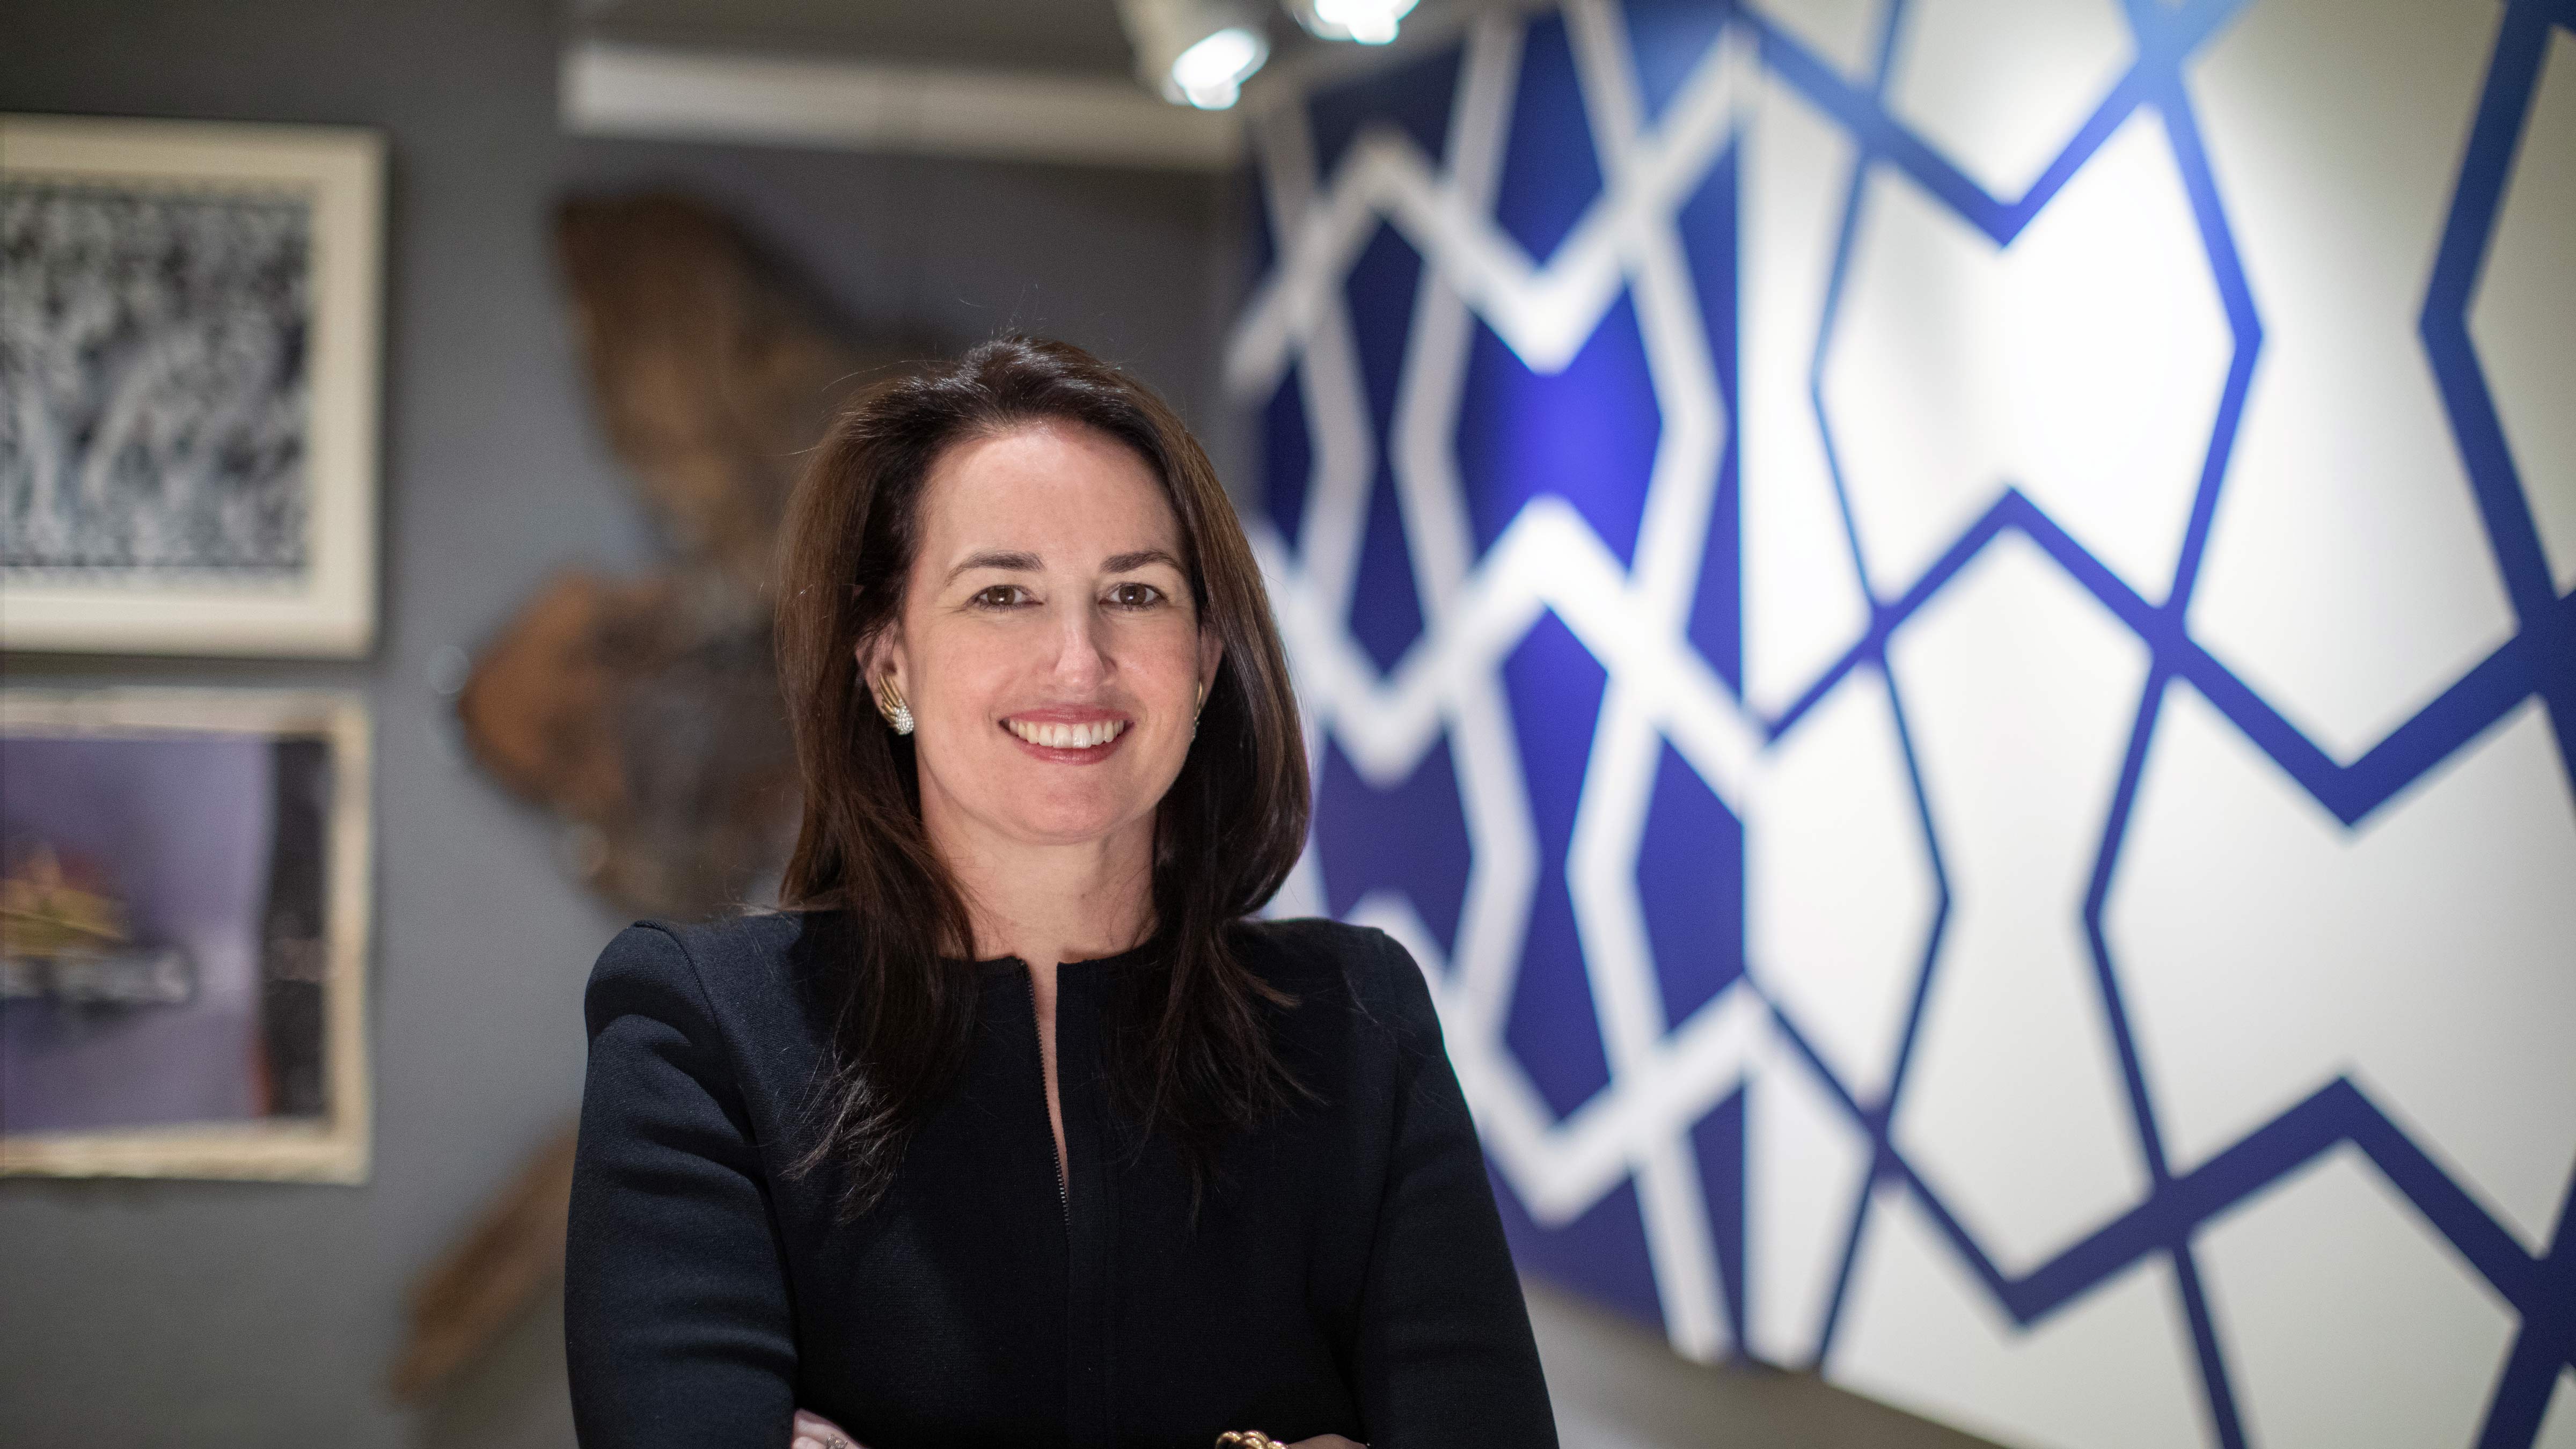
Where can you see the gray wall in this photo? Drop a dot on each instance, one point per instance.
(210, 1313)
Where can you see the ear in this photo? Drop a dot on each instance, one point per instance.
(1211, 654)
(881, 654)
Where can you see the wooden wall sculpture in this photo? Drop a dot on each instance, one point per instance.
(645, 711)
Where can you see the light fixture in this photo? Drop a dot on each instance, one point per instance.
(1210, 74)
(1370, 22)
(1195, 52)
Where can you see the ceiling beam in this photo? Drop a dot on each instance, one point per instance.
(615, 89)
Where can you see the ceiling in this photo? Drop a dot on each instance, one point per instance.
(1066, 37)
(1037, 80)
(1072, 36)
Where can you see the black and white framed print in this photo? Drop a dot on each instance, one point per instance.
(189, 323)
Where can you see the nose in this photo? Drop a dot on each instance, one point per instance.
(1080, 661)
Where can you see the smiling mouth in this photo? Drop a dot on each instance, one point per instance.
(1067, 736)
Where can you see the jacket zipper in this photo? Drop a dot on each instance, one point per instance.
(1063, 1199)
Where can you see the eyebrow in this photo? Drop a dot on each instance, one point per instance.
(1119, 563)
(1030, 563)
(1023, 562)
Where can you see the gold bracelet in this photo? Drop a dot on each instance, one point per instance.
(1247, 1439)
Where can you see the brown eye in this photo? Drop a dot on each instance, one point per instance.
(1135, 596)
(999, 596)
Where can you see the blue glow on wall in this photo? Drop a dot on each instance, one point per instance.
(1509, 537)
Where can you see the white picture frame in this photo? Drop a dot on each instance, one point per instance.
(326, 186)
(110, 777)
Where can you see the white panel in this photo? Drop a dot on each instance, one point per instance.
(2558, 1429)
(2524, 318)
(2117, 348)
(1802, 601)
(2348, 1322)
(2002, 85)
(2019, 690)
(2263, 950)
(1844, 32)
(2347, 577)
(2084, 364)
(1806, 1163)
(1906, 382)
(1838, 882)
(2111, 1370)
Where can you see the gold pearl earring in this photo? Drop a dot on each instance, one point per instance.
(890, 704)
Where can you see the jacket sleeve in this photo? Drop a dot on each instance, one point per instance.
(1445, 1356)
(677, 1321)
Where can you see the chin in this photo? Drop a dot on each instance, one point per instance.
(1066, 820)
(1064, 829)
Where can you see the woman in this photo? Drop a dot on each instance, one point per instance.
(1013, 1129)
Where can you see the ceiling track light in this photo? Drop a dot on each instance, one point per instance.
(1195, 52)
(1369, 22)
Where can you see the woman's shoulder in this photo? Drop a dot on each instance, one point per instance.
(1360, 969)
(713, 967)
(743, 936)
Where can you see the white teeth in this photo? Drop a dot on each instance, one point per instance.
(1068, 736)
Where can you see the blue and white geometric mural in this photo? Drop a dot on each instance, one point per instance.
(1947, 624)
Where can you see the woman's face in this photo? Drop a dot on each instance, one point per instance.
(1048, 645)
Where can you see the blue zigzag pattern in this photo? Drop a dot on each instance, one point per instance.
(2538, 660)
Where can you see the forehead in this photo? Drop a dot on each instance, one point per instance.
(1069, 494)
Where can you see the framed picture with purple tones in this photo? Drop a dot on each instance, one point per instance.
(183, 934)
(188, 345)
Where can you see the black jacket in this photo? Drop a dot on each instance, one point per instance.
(1346, 1272)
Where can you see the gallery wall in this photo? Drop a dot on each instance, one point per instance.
(1946, 624)
(258, 1314)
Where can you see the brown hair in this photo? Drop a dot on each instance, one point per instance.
(1190, 1053)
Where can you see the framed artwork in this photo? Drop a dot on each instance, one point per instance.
(189, 324)
(183, 934)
